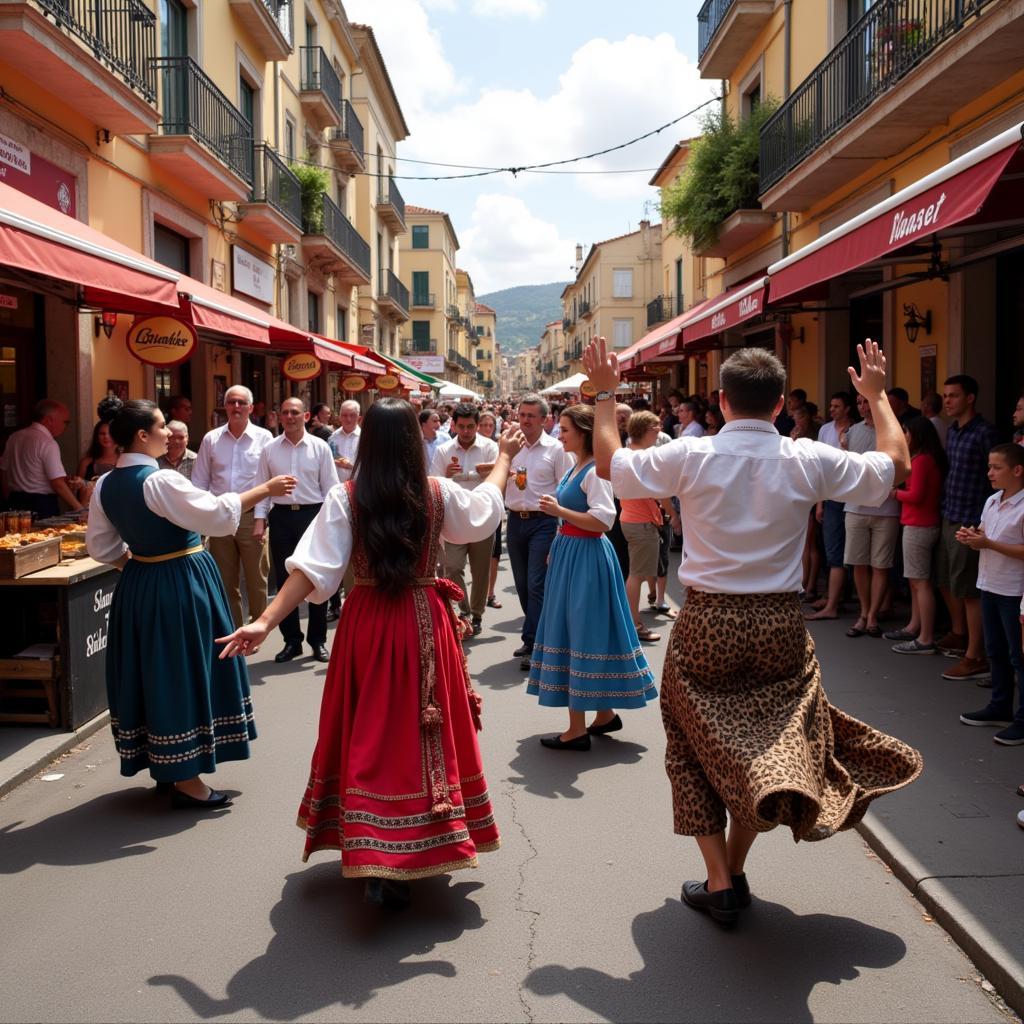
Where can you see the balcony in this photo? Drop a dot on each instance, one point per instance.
(332, 244)
(567, 323)
(391, 206)
(392, 296)
(346, 141)
(737, 230)
(419, 347)
(452, 312)
(901, 70)
(319, 87)
(460, 361)
(276, 206)
(93, 54)
(269, 23)
(423, 300)
(725, 31)
(203, 140)
(659, 310)
(583, 310)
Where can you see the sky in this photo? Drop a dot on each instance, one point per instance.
(500, 83)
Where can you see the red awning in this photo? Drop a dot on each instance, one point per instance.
(945, 198)
(39, 239)
(329, 351)
(725, 311)
(364, 359)
(632, 357)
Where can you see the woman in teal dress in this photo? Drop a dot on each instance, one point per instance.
(175, 707)
(587, 656)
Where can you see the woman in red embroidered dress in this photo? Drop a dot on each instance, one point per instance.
(396, 782)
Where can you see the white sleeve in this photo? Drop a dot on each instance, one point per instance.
(650, 472)
(202, 470)
(470, 516)
(102, 540)
(54, 467)
(600, 501)
(328, 471)
(323, 551)
(171, 495)
(860, 479)
(438, 462)
(262, 476)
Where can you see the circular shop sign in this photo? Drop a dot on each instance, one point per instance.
(353, 383)
(588, 389)
(387, 382)
(301, 366)
(657, 369)
(161, 340)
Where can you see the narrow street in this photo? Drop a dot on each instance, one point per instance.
(118, 909)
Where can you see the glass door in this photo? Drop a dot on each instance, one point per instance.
(174, 43)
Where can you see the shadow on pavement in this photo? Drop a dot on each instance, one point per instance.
(107, 828)
(553, 773)
(332, 949)
(505, 675)
(304, 669)
(765, 970)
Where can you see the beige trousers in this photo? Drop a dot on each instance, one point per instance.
(239, 553)
(479, 555)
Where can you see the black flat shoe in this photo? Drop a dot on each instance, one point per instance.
(333, 614)
(557, 743)
(320, 652)
(601, 730)
(289, 652)
(383, 892)
(163, 788)
(184, 802)
(525, 662)
(522, 650)
(722, 905)
(741, 887)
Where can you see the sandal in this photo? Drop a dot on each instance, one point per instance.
(652, 598)
(874, 631)
(856, 630)
(493, 602)
(644, 633)
(667, 610)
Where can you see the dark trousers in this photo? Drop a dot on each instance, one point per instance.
(529, 541)
(286, 526)
(43, 505)
(1000, 619)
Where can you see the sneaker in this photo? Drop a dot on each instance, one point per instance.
(986, 716)
(1012, 736)
(952, 642)
(968, 668)
(914, 647)
(899, 634)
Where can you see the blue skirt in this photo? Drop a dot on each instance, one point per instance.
(587, 656)
(175, 708)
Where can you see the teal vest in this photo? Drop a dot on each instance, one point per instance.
(144, 532)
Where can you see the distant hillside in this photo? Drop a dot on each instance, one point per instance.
(523, 311)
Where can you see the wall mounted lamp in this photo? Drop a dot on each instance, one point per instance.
(915, 321)
(107, 320)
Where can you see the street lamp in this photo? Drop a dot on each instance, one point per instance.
(915, 321)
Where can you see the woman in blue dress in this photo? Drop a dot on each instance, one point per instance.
(175, 707)
(587, 656)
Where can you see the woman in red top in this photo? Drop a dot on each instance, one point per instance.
(920, 514)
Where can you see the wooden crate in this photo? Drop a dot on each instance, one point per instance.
(32, 679)
(18, 562)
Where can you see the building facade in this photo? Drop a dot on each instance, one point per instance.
(486, 350)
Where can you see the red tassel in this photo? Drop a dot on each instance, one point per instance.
(476, 707)
(441, 809)
(431, 717)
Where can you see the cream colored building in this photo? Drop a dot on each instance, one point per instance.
(486, 351)
(553, 360)
(465, 371)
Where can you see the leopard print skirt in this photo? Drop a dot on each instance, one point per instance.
(750, 730)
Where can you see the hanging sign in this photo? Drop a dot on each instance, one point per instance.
(657, 369)
(387, 382)
(161, 340)
(353, 383)
(301, 366)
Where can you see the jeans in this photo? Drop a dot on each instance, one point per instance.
(529, 541)
(1000, 618)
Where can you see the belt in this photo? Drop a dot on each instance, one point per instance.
(568, 530)
(420, 581)
(169, 556)
(293, 508)
(525, 515)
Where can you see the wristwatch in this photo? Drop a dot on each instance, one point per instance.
(603, 396)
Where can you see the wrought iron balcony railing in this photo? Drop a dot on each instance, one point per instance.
(583, 308)
(274, 183)
(659, 310)
(318, 74)
(390, 196)
(193, 105)
(327, 219)
(710, 17)
(891, 39)
(419, 346)
(279, 11)
(424, 300)
(389, 285)
(452, 312)
(350, 130)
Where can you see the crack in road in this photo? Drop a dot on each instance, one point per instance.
(509, 791)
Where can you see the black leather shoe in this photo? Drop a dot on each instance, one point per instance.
(290, 651)
(477, 627)
(600, 730)
(184, 802)
(722, 905)
(383, 892)
(524, 663)
(557, 743)
(333, 614)
(522, 649)
(741, 887)
(320, 652)
(163, 788)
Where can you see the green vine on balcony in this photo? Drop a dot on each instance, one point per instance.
(314, 181)
(721, 176)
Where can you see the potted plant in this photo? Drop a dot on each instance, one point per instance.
(894, 41)
(314, 181)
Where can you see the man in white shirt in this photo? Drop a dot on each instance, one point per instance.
(748, 726)
(34, 477)
(689, 424)
(345, 440)
(430, 426)
(309, 461)
(228, 460)
(536, 471)
(457, 460)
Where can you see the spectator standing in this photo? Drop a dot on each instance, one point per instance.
(178, 456)
(321, 413)
(430, 427)
(969, 440)
(345, 440)
(298, 454)
(713, 421)
(457, 461)
(931, 406)
(921, 517)
(228, 460)
(689, 420)
(179, 407)
(899, 399)
(784, 422)
(1018, 421)
(1000, 542)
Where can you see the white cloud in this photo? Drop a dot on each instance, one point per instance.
(506, 244)
(508, 8)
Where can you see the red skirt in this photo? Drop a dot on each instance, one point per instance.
(399, 793)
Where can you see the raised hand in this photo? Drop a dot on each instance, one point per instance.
(601, 366)
(870, 382)
(511, 443)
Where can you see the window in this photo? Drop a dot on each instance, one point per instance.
(312, 311)
(622, 284)
(421, 288)
(421, 335)
(480, 354)
(171, 249)
(246, 99)
(341, 324)
(421, 236)
(623, 333)
(289, 137)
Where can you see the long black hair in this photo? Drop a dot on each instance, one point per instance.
(925, 440)
(131, 417)
(391, 492)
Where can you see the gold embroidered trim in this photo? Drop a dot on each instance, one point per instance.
(553, 688)
(591, 675)
(405, 874)
(478, 801)
(637, 651)
(472, 778)
(474, 824)
(407, 821)
(405, 845)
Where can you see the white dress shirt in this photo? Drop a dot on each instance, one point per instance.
(600, 499)
(323, 552)
(345, 446)
(482, 451)
(430, 447)
(861, 438)
(546, 462)
(310, 462)
(32, 460)
(829, 434)
(1002, 521)
(941, 428)
(168, 494)
(692, 429)
(226, 463)
(745, 495)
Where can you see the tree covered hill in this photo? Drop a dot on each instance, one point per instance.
(523, 311)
